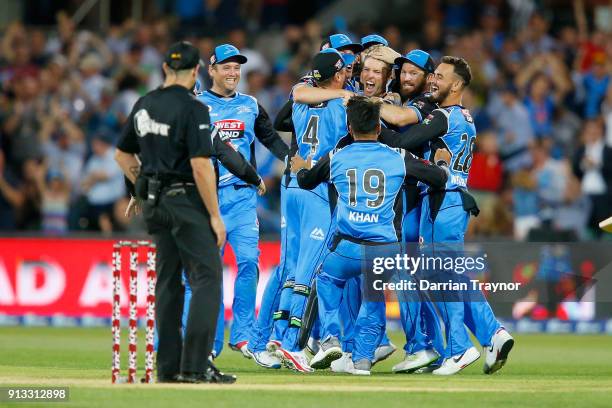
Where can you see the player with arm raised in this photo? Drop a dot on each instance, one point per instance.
(445, 215)
(368, 177)
(419, 319)
(273, 318)
(317, 129)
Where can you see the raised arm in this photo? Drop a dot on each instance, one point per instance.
(399, 115)
(310, 95)
(435, 125)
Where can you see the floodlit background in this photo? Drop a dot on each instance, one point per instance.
(70, 72)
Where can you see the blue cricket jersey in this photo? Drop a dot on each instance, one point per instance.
(368, 177)
(318, 127)
(234, 119)
(459, 139)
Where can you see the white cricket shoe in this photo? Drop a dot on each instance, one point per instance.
(361, 367)
(458, 362)
(497, 353)
(241, 346)
(426, 370)
(413, 362)
(340, 365)
(313, 346)
(272, 346)
(383, 352)
(329, 351)
(294, 360)
(266, 359)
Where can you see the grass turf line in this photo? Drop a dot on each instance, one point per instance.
(543, 370)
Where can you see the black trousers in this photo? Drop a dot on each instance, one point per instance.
(180, 226)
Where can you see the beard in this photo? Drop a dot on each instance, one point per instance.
(440, 95)
(414, 91)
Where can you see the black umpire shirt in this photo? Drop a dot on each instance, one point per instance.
(168, 127)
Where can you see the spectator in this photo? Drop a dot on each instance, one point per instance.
(513, 127)
(11, 197)
(493, 219)
(596, 83)
(92, 80)
(538, 191)
(606, 110)
(593, 166)
(22, 123)
(102, 182)
(29, 212)
(55, 201)
(64, 147)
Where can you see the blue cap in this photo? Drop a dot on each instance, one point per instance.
(373, 39)
(224, 52)
(341, 42)
(419, 58)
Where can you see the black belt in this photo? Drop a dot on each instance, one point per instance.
(343, 237)
(241, 186)
(181, 184)
(177, 188)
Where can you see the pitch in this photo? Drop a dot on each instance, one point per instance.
(543, 370)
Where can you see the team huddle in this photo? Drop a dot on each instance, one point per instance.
(380, 154)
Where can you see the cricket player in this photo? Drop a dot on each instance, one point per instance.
(273, 318)
(420, 322)
(239, 118)
(375, 74)
(317, 130)
(445, 215)
(368, 176)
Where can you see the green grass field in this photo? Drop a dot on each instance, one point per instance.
(543, 371)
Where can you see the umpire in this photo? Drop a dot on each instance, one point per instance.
(171, 133)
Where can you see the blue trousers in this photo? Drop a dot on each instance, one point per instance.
(272, 320)
(418, 316)
(339, 267)
(449, 226)
(348, 313)
(309, 218)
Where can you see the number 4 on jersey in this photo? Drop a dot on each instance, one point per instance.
(310, 136)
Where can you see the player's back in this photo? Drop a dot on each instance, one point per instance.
(368, 176)
(319, 127)
(459, 140)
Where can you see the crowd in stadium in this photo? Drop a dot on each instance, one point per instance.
(541, 98)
